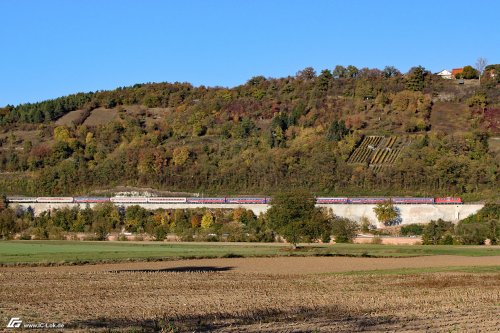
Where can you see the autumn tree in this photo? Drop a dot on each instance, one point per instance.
(307, 73)
(386, 213)
(207, 220)
(180, 156)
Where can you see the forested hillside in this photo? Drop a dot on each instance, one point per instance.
(267, 135)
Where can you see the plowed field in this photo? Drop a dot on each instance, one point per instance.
(259, 294)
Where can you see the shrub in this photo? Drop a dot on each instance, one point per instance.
(412, 230)
(55, 233)
(365, 224)
(25, 236)
(40, 233)
(90, 237)
(447, 239)
(376, 240)
(472, 233)
(343, 229)
(434, 232)
(159, 233)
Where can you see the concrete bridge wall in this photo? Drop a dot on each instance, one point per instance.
(408, 213)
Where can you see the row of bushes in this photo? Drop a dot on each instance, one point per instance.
(189, 224)
(474, 230)
(200, 224)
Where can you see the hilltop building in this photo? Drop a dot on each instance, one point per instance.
(456, 71)
(445, 74)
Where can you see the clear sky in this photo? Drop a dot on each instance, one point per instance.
(52, 48)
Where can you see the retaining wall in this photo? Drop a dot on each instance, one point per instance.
(408, 213)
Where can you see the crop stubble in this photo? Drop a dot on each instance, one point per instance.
(221, 297)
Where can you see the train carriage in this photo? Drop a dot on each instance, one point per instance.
(90, 199)
(54, 199)
(206, 200)
(368, 200)
(166, 200)
(246, 200)
(21, 199)
(412, 200)
(129, 199)
(332, 200)
(449, 200)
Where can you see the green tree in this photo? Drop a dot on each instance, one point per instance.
(323, 81)
(3, 202)
(469, 73)
(386, 213)
(337, 131)
(415, 79)
(7, 223)
(293, 216)
(343, 229)
(472, 233)
(339, 72)
(391, 71)
(437, 232)
(136, 218)
(101, 227)
(352, 71)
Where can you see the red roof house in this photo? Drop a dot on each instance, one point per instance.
(456, 71)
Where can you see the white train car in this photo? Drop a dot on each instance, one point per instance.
(166, 200)
(90, 199)
(21, 199)
(54, 199)
(129, 199)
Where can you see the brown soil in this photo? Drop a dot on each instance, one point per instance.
(69, 117)
(280, 265)
(101, 116)
(255, 295)
(450, 117)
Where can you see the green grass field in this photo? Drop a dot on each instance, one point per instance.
(67, 252)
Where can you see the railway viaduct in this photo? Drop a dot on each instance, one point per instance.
(420, 213)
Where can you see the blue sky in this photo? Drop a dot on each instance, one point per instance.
(52, 48)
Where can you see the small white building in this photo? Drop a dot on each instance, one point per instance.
(445, 74)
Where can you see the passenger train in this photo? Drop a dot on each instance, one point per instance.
(224, 200)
